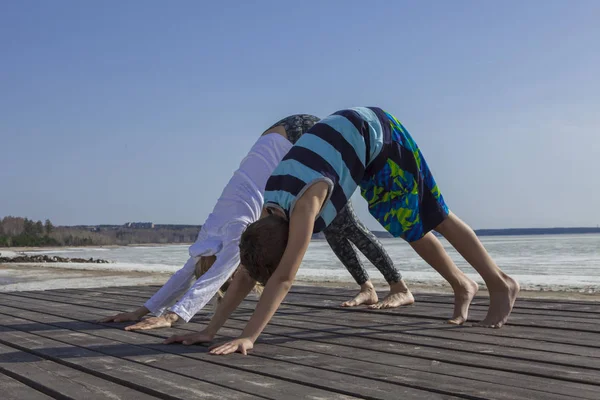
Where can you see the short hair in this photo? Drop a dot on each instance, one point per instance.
(203, 265)
(262, 245)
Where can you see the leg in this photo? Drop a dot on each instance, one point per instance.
(431, 250)
(502, 288)
(405, 198)
(372, 248)
(343, 249)
(296, 125)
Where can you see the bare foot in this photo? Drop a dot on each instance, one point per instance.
(502, 300)
(394, 300)
(366, 296)
(399, 295)
(462, 300)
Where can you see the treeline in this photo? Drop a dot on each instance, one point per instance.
(23, 232)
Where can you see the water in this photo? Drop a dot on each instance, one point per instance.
(551, 262)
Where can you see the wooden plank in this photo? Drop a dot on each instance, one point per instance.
(434, 380)
(142, 293)
(382, 364)
(98, 297)
(358, 328)
(292, 372)
(54, 378)
(247, 382)
(84, 314)
(143, 378)
(13, 389)
(589, 311)
(399, 323)
(441, 314)
(523, 301)
(355, 338)
(427, 329)
(468, 334)
(588, 308)
(127, 299)
(515, 331)
(256, 384)
(533, 334)
(389, 322)
(442, 302)
(552, 336)
(442, 311)
(390, 366)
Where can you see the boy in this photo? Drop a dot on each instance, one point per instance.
(364, 147)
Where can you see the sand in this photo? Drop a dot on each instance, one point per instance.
(23, 277)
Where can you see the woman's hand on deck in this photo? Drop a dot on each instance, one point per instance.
(164, 321)
(126, 316)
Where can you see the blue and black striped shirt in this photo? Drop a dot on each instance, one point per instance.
(341, 150)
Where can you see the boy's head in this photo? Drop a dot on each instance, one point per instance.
(262, 245)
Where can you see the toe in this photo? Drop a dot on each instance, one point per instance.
(386, 304)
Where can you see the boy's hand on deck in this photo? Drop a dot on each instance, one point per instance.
(164, 321)
(192, 338)
(240, 345)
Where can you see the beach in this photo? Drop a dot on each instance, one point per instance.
(26, 277)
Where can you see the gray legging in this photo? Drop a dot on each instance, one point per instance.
(346, 229)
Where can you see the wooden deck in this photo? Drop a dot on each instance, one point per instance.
(51, 348)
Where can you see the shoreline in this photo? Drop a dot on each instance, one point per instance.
(66, 248)
(26, 277)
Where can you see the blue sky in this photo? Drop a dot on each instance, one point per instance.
(141, 110)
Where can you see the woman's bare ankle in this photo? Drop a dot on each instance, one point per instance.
(399, 287)
(367, 287)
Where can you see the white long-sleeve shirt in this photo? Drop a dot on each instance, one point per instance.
(240, 204)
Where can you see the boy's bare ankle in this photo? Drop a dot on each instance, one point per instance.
(463, 295)
(504, 283)
(465, 285)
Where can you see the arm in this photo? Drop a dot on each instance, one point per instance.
(301, 227)
(240, 287)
